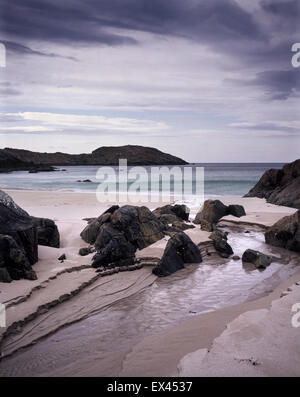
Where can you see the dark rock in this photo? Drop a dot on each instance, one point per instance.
(182, 211)
(117, 250)
(119, 232)
(13, 260)
(47, 232)
(280, 186)
(16, 223)
(285, 233)
(236, 257)
(258, 259)
(210, 214)
(236, 210)
(42, 169)
(86, 251)
(139, 225)
(179, 250)
(91, 231)
(62, 257)
(220, 243)
(111, 209)
(4, 275)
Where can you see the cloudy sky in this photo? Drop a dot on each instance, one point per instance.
(209, 81)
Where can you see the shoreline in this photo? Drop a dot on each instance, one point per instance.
(56, 280)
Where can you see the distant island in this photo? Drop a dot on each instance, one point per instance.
(20, 159)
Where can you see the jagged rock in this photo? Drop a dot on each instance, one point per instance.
(111, 209)
(257, 258)
(47, 232)
(15, 222)
(62, 257)
(236, 210)
(179, 250)
(211, 213)
(91, 231)
(220, 243)
(281, 187)
(13, 260)
(119, 232)
(285, 233)
(139, 225)
(118, 251)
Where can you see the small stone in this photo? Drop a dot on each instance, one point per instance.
(62, 257)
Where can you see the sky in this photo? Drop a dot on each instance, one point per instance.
(208, 81)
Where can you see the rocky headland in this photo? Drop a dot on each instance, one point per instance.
(20, 159)
(280, 186)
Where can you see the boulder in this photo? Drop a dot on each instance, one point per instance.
(285, 233)
(220, 243)
(210, 214)
(179, 250)
(47, 232)
(91, 231)
(236, 210)
(15, 222)
(119, 232)
(14, 263)
(213, 210)
(178, 211)
(139, 225)
(280, 186)
(258, 259)
(113, 249)
(182, 211)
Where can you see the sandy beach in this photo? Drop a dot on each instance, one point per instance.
(225, 341)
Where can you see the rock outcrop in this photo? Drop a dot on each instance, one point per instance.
(280, 186)
(285, 233)
(213, 211)
(119, 232)
(179, 250)
(258, 259)
(106, 155)
(18, 240)
(47, 232)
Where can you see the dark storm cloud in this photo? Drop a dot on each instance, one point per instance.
(280, 84)
(222, 25)
(89, 20)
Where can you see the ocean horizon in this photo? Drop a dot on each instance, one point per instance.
(220, 179)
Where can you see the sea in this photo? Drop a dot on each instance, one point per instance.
(219, 179)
